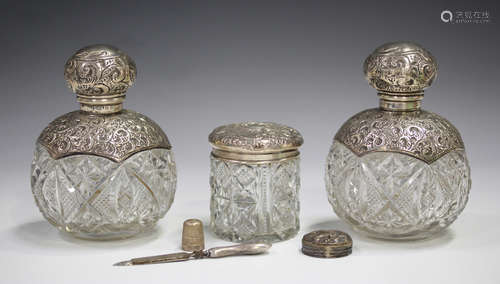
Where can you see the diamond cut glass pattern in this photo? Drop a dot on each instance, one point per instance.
(255, 201)
(93, 197)
(392, 195)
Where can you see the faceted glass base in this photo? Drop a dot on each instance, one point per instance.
(395, 196)
(232, 236)
(93, 197)
(255, 202)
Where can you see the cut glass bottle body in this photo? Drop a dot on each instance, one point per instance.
(94, 197)
(255, 202)
(396, 196)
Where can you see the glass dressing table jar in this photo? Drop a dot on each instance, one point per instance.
(255, 181)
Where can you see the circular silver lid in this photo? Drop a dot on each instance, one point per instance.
(255, 141)
(327, 244)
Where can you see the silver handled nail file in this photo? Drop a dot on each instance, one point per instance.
(216, 252)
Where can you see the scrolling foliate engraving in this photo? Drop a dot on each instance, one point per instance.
(114, 136)
(421, 134)
(100, 70)
(256, 136)
(330, 237)
(400, 67)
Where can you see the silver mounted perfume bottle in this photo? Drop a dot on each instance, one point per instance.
(255, 181)
(397, 171)
(102, 172)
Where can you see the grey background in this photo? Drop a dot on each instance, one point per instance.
(202, 64)
(206, 63)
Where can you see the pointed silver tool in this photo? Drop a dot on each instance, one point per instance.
(243, 249)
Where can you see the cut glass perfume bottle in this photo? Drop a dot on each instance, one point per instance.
(102, 172)
(397, 171)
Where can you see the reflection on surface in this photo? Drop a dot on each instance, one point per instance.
(41, 234)
(361, 243)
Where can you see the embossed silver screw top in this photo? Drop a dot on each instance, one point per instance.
(400, 71)
(100, 75)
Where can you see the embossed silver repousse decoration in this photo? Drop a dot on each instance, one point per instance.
(256, 137)
(400, 71)
(102, 172)
(327, 244)
(397, 171)
(400, 67)
(113, 136)
(255, 181)
(100, 75)
(420, 134)
(100, 70)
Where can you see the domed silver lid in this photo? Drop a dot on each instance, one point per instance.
(400, 71)
(100, 75)
(255, 141)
